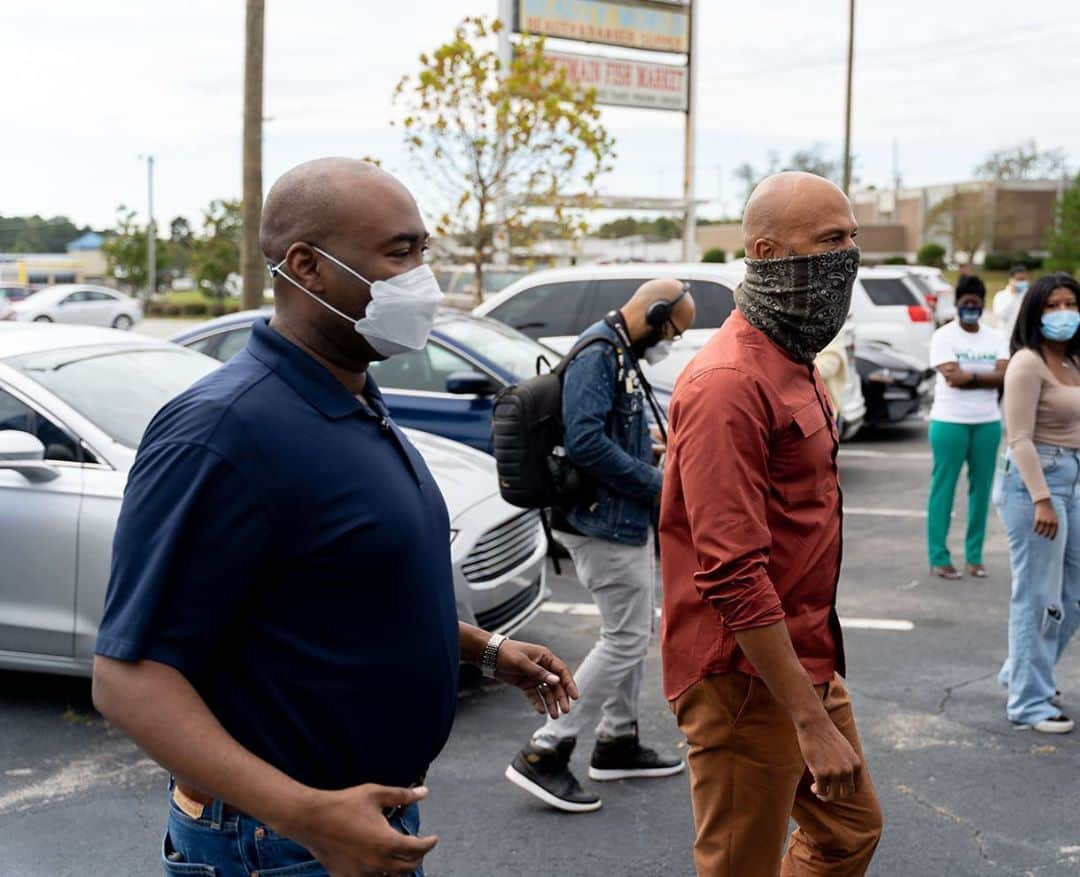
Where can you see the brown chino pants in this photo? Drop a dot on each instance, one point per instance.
(748, 779)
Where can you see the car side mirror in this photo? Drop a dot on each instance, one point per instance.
(470, 384)
(24, 453)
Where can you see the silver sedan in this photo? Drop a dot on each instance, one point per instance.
(74, 403)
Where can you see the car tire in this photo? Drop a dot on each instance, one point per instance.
(42, 318)
(123, 322)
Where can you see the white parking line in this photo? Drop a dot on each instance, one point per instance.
(921, 456)
(883, 513)
(590, 609)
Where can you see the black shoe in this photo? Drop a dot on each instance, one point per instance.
(545, 773)
(621, 758)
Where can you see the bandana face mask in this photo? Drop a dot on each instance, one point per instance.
(800, 302)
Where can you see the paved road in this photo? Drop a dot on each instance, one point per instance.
(964, 795)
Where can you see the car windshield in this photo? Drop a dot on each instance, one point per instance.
(118, 390)
(506, 347)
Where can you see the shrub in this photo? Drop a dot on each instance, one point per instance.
(1005, 261)
(193, 309)
(895, 260)
(740, 253)
(931, 254)
(714, 254)
(170, 310)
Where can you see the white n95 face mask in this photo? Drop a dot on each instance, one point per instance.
(658, 352)
(401, 312)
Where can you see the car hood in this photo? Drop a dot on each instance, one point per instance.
(466, 477)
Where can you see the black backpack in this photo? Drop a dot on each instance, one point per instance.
(527, 438)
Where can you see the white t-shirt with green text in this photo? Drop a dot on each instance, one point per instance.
(976, 352)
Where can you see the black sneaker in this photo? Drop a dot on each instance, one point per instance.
(621, 758)
(545, 773)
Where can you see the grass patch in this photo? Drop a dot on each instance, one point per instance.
(994, 280)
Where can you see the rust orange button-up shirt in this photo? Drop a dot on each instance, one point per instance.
(750, 521)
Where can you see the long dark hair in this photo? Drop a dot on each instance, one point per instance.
(1027, 334)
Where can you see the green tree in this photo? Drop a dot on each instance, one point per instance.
(125, 253)
(931, 254)
(35, 234)
(178, 248)
(479, 134)
(714, 254)
(1024, 161)
(215, 255)
(1064, 239)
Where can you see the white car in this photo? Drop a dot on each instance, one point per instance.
(891, 311)
(74, 403)
(78, 303)
(556, 306)
(940, 294)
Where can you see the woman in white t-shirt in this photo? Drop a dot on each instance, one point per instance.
(965, 426)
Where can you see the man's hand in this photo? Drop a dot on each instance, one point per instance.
(832, 761)
(350, 836)
(1046, 519)
(546, 681)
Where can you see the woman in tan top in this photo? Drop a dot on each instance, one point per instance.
(1038, 498)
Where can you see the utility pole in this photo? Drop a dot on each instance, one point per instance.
(689, 247)
(253, 270)
(151, 230)
(847, 114)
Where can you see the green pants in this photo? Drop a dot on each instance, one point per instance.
(955, 444)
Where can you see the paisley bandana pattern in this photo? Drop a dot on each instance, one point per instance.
(800, 302)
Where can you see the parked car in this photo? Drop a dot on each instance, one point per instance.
(556, 306)
(891, 311)
(896, 386)
(460, 280)
(76, 303)
(74, 403)
(447, 388)
(940, 294)
(14, 292)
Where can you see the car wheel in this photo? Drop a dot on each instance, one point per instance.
(124, 322)
(43, 319)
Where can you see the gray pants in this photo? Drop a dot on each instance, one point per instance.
(621, 579)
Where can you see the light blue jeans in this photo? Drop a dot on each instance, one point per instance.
(1044, 611)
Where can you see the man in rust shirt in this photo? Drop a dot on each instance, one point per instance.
(751, 542)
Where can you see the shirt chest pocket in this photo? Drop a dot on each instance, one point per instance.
(802, 458)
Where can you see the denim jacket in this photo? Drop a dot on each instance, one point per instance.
(607, 437)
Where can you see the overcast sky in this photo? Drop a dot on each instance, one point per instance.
(91, 86)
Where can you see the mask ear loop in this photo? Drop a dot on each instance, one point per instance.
(276, 269)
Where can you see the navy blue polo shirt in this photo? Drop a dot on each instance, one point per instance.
(287, 550)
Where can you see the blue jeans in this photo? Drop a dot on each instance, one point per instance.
(235, 845)
(1044, 611)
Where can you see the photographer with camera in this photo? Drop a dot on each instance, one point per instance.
(607, 530)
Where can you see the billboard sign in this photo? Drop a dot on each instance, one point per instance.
(626, 83)
(635, 24)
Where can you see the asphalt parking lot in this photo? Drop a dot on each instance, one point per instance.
(963, 793)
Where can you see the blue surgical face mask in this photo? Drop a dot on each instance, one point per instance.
(1060, 325)
(970, 316)
(1021, 286)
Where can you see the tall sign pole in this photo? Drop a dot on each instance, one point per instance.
(847, 113)
(689, 247)
(253, 270)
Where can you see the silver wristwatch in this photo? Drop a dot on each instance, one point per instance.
(491, 655)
